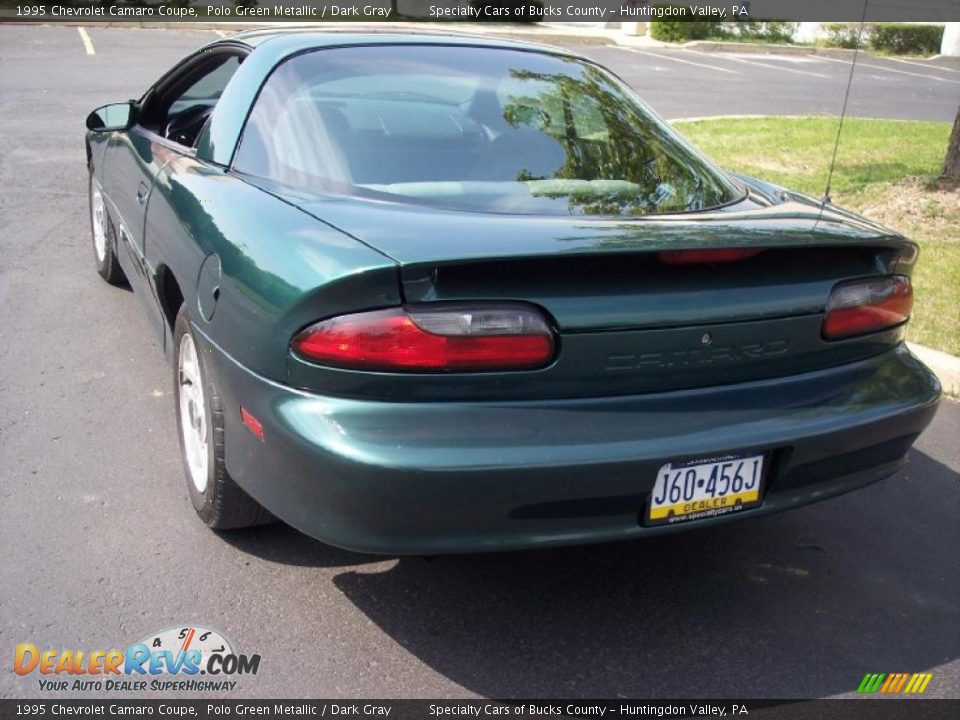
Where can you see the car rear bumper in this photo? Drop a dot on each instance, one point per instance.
(425, 478)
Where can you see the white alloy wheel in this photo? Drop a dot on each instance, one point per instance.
(193, 413)
(99, 215)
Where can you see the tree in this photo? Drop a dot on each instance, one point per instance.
(951, 165)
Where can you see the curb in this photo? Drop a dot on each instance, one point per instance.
(803, 116)
(708, 46)
(700, 118)
(767, 49)
(944, 365)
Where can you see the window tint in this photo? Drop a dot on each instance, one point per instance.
(207, 89)
(473, 128)
(181, 111)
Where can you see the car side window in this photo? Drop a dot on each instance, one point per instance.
(184, 104)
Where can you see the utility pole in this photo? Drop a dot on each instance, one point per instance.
(951, 165)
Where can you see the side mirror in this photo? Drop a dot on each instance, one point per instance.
(116, 116)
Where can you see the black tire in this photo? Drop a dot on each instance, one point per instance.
(222, 505)
(108, 266)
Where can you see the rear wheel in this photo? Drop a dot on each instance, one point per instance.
(104, 236)
(218, 500)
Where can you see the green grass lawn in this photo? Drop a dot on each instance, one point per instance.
(886, 170)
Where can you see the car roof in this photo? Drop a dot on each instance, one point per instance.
(270, 47)
(302, 37)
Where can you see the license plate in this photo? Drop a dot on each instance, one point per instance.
(705, 488)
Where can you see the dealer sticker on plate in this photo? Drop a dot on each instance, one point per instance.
(705, 488)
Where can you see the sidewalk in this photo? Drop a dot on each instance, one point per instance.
(945, 366)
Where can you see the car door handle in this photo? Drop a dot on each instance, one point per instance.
(142, 190)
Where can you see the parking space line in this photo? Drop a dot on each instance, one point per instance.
(87, 42)
(899, 72)
(769, 65)
(678, 60)
(928, 66)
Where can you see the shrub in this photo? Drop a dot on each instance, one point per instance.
(842, 35)
(906, 39)
(678, 31)
(762, 30)
(765, 30)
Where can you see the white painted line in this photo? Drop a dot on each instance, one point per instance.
(87, 42)
(770, 65)
(899, 72)
(678, 60)
(912, 74)
(221, 33)
(927, 65)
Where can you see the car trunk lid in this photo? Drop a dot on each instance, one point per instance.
(627, 320)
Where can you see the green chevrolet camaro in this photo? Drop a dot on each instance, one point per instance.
(427, 294)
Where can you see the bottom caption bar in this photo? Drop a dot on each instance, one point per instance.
(886, 709)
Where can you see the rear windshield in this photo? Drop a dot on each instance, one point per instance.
(471, 128)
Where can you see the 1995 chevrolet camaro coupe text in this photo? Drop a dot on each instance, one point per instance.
(433, 294)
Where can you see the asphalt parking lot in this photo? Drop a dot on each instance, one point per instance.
(681, 83)
(101, 546)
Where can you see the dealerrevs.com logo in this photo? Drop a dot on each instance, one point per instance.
(168, 660)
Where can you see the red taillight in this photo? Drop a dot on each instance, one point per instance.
(703, 257)
(442, 337)
(867, 306)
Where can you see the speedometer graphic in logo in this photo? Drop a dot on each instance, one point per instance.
(180, 640)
